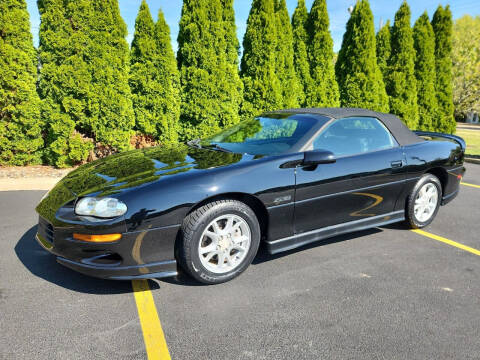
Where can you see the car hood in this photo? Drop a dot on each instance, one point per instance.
(122, 172)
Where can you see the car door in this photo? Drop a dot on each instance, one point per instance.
(365, 180)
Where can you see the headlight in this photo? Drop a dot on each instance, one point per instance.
(104, 208)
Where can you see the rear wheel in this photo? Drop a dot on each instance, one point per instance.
(424, 201)
(219, 241)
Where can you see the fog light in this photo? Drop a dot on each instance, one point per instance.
(97, 238)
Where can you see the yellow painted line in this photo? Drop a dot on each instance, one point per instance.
(447, 241)
(472, 185)
(153, 336)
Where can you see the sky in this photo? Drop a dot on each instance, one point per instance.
(337, 10)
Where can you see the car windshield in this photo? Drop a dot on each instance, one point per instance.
(265, 135)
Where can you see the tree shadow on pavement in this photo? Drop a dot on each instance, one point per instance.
(42, 264)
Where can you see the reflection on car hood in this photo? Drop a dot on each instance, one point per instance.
(121, 172)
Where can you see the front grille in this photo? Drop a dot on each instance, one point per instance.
(45, 229)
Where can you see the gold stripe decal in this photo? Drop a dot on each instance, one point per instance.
(447, 241)
(155, 343)
(378, 199)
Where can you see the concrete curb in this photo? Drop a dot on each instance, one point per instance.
(472, 160)
(21, 184)
(467, 127)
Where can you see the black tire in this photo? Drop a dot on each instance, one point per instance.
(191, 232)
(410, 218)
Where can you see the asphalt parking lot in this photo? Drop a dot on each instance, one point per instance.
(386, 293)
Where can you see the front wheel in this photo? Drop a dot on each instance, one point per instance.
(219, 241)
(424, 201)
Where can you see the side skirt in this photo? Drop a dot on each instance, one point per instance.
(298, 240)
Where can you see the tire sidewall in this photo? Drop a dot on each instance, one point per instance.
(414, 222)
(236, 208)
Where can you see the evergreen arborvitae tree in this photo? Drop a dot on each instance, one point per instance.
(442, 27)
(210, 94)
(20, 124)
(64, 79)
(359, 76)
(84, 78)
(143, 56)
(285, 68)
(262, 88)
(400, 80)
(324, 88)
(424, 42)
(233, 84)
(169, 81)
(384, 48)
(232, 43)
(300, 40)
(111, 108)
(154, 79)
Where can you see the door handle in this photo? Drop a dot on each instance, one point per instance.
(396, 164)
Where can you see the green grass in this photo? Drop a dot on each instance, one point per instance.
(472, 137)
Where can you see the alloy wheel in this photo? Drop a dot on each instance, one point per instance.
(426, 202)
(224, 243)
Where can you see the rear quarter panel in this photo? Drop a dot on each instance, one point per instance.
(444, 158)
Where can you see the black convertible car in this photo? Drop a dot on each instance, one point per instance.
(285, 178)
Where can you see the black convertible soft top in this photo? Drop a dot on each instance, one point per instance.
(398, 129)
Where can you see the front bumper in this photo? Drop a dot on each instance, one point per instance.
(137, 255)
(146, 271)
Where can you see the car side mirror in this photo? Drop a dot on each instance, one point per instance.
(316, 157)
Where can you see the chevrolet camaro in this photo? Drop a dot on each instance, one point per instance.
(285, 179)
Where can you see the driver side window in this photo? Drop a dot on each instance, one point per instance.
(354, 135)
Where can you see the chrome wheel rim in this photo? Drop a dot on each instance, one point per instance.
(224, 243)
(426, 202)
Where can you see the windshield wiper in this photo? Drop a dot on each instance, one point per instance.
(195, 143)
(219, 148)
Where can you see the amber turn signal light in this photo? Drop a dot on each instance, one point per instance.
(97, 238)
